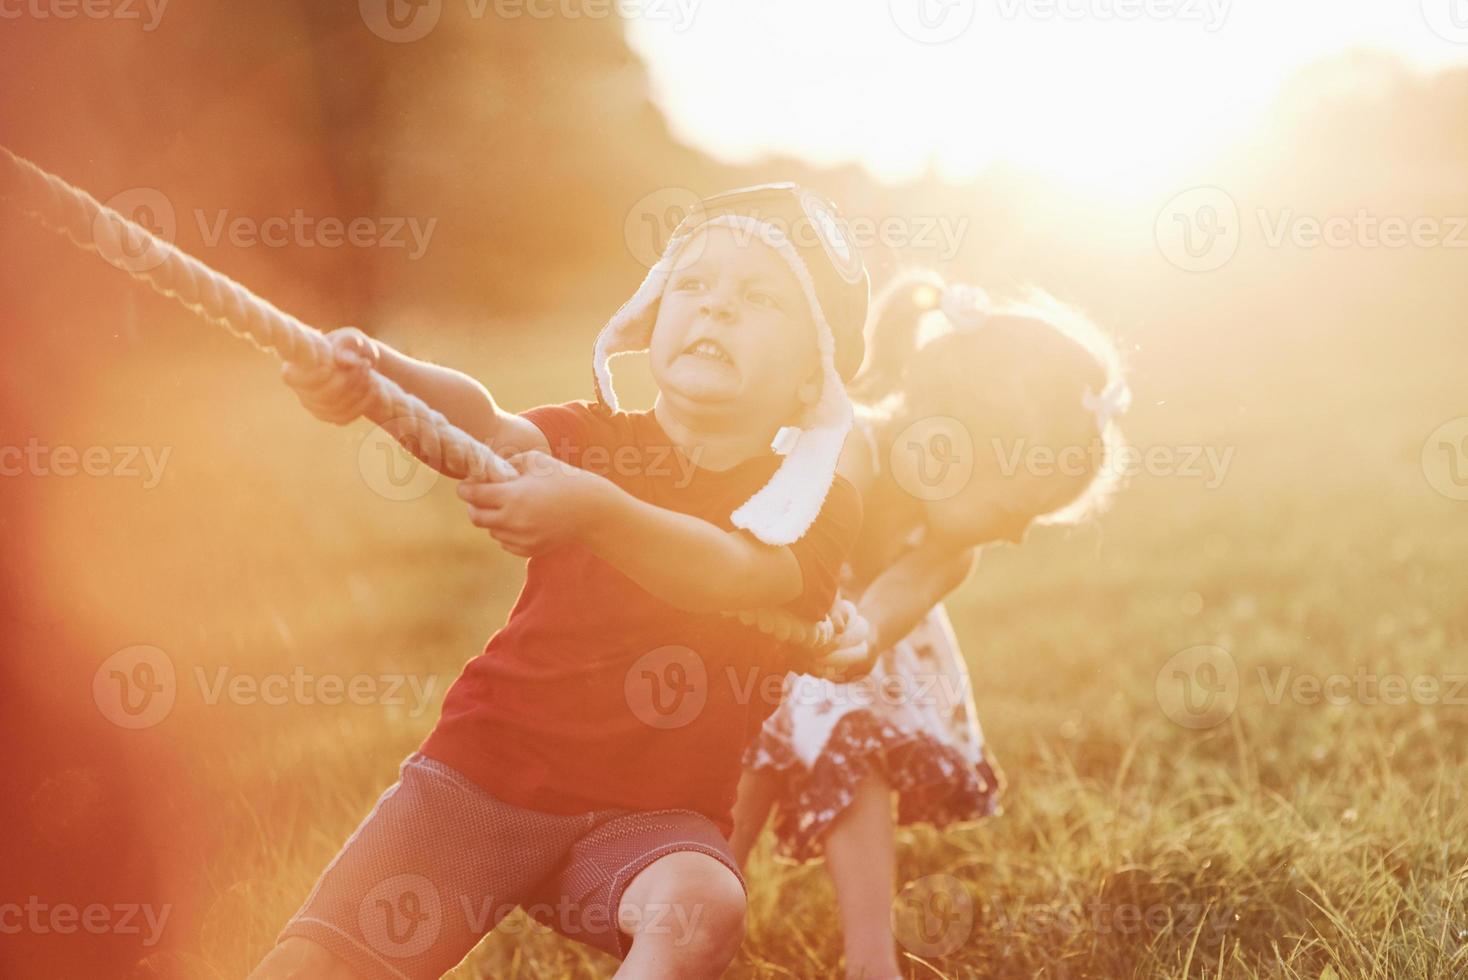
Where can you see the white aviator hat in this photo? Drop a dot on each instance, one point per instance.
(807, 232)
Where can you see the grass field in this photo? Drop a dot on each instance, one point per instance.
(1290, 839)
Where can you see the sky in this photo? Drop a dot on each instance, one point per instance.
(1098, 92)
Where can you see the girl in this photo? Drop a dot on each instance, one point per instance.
(941, 433)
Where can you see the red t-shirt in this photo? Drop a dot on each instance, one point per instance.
(596, 694)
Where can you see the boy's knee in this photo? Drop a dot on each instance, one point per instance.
(715, 918)
(694, 913)
(301, 959)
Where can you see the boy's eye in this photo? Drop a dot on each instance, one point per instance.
(688, 282)
(761, 298)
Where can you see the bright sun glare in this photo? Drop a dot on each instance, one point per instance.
(1095, 92)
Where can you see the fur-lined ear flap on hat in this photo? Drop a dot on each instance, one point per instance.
(785, 508)
(630, 328)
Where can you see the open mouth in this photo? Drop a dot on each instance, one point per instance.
(711, 350)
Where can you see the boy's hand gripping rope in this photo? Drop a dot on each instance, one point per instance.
(421, 429)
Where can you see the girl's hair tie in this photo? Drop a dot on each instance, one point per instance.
(966, 307)
(1114, 400)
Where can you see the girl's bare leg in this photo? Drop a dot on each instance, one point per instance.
(861, 860)
(757, 791)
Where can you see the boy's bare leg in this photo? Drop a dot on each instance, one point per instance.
(757, 791)
(301, 959)
(685, 913)
(861, 858)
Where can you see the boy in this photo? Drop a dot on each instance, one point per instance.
(585, 764)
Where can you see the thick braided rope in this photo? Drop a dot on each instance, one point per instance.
(224, 302)
(422, 430)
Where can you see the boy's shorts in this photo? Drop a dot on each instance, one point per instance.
(439, 861)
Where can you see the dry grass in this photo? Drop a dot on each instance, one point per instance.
(1290, 841)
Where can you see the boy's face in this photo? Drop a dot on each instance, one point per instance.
(734, 336)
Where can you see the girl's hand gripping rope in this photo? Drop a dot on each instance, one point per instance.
(851, 653)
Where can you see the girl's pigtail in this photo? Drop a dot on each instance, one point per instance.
(892, 332)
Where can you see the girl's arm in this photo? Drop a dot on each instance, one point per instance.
(900, 597)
